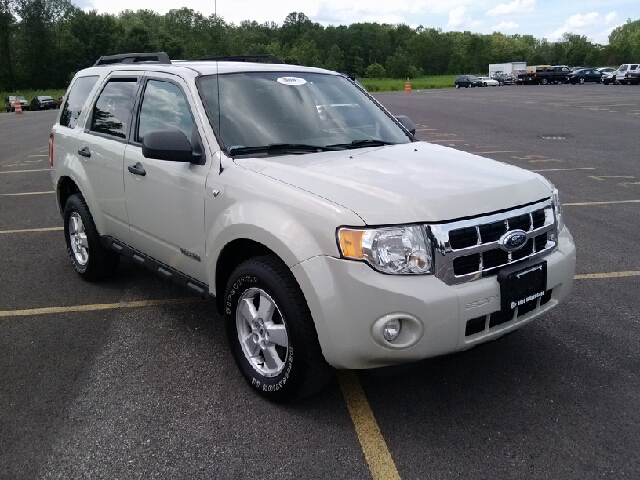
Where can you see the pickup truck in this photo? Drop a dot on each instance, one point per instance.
(544, 75)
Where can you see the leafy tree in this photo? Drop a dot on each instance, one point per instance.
(375, 70)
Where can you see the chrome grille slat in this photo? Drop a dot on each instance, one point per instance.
(445, 251)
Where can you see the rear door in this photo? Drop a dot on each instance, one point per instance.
(166, 203)
(101, 148)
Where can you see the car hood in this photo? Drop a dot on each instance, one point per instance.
(415, 182)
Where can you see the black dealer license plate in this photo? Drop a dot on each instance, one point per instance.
(522, 283)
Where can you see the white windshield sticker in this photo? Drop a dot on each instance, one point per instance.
(292, 81)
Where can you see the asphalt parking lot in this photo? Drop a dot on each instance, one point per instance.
(132, 378)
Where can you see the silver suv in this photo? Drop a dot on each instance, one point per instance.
(328, 236)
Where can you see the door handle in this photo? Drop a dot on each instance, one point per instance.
(137, 169)
(85, 152)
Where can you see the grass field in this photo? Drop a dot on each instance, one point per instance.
(30, 94)
(396, 85)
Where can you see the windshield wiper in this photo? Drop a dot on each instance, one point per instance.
(363, 143)
(282, 148)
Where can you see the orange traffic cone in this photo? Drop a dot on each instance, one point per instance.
(17, 106)
(407, 87)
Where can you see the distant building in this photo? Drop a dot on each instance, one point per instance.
(506, 67)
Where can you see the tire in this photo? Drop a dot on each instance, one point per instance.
(484, 84)
(263, 301)
(581, 81)
(457, 86)
(90, 259)
(544, 81)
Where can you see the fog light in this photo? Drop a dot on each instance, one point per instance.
(392, 329)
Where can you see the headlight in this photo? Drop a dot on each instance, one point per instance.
(394, 250)
(557, 207)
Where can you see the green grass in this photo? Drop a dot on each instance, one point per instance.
(29, 94)
(397, 85)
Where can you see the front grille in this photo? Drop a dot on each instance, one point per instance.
(478, 324)
(466, 250)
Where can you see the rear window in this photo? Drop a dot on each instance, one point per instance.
(76, 99)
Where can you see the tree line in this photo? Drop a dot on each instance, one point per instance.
(44, 42)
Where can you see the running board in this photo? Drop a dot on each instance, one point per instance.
(163, 271)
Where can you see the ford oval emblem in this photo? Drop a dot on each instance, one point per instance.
(513, 240)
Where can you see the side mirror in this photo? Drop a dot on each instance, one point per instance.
(407, 123)
(171, 145)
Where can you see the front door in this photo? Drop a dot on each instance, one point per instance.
(165, 199)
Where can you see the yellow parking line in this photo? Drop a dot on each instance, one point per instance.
(631, 273)
(563, 169)
(28, 230)
(582, 204)
(97, 306)
(495, 151)
(26, 193)
(22, 171)
(373, 445)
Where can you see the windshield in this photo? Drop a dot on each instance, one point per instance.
(261, 109)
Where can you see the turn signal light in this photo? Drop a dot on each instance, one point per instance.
(351, 243)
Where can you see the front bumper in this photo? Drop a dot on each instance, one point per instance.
(346, 298)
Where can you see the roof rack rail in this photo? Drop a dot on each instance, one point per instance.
(157, 57)
(246, 58)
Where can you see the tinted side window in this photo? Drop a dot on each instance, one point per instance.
(112, 112)
(164, 107)
(78, 94)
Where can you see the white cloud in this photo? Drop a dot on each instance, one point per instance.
(337, 12)
(459, 20)
(610, 18)
(506, 26)
(578, 24)
(517, 6)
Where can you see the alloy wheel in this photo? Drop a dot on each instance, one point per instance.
(78, 239)
(262, 332)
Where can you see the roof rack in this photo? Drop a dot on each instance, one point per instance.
(246, 58)
(157, 57)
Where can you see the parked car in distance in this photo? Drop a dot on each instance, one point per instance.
(9, 102)
(467, 81)
(489, 82)
(585, 75)
(43, 102)
(627, 73)
(504, 78)
(606, 70)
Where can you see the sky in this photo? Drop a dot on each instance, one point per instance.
(541, 18)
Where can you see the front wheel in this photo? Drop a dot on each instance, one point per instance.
(457, 86)
(581, 81)
(271, 332)
(90, 259)
(544, 81)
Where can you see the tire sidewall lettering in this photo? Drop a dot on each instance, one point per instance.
(245, 279)
(266, 384)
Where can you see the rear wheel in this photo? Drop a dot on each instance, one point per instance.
(271, 333)
(90, 259)
(544, 81)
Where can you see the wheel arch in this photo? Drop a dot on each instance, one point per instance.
(66, 188)
(231, 256)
